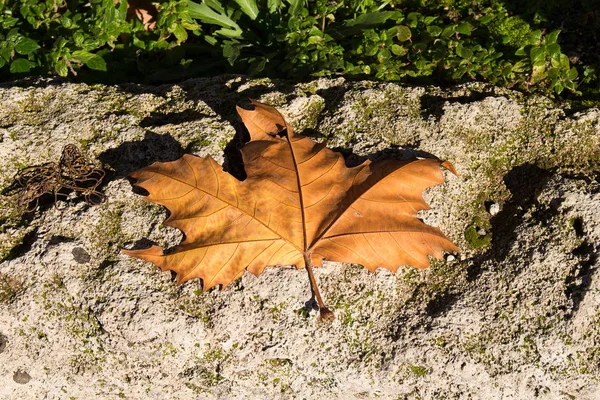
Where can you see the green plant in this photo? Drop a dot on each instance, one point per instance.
(46, 37)
(412, 41)
(547, 64)
(372, 39)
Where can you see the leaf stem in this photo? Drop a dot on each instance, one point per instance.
(325, 314)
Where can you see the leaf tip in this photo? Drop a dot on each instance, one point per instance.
(450, 167)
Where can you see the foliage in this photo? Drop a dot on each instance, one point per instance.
(411, 41)
(300, 204)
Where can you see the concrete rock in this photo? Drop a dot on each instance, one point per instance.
(515, 316)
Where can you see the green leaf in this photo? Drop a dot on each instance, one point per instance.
(449, 31)
(404, 33)
(82, 56)
(231, 52)
(555, 60)
(21, 65)
(520, 52)
(13, 33)
(459, 49)
(249, 8)
(257, 67)
(434, 30)
(429, 20)
(564, 61)
(538, 73)
(506, 71)
(230, 33)
(521, 66)
(357, 25)
(61, 68)
(552, 49)
(207, 15)
(92, 61)
(180, 33)
(463, 28)
(464, 52)
(122, 10)
(553, 74)
(537, 53)
(486, 18)
(138, 43)
(214, 4)
(413, 19)
(295, 7)
(372, 49)
(9, 22)
(79, 38)
(552, 36)
(5, 53)
(559, 88)
(399, 50)
(572, 74)
(66, 22)
(421, 64)
(96, 63)
(274, 5)
(211, 40)
(459, 72)
(383, 56)
(535, 37)
(570, 85)
(26, 46)
(316, 39)
(467, 53)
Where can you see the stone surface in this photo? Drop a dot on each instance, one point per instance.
(515, 316)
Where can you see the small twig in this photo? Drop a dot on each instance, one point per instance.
(70, 67)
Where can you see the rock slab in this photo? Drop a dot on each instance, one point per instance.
(514, 316)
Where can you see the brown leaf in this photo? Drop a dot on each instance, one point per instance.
(299, 205)
(143, 10)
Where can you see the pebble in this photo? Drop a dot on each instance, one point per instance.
(494, 209)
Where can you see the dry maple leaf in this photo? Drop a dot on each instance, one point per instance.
(143, 10)
(300, 204)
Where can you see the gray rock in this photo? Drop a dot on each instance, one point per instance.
(3, 343)
(21, 377)
(514, 316)
(80, 255)
(494, 209)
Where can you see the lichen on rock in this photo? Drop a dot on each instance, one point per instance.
(514, 315)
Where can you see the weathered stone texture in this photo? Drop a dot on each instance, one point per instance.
(515, 316)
